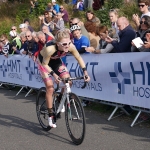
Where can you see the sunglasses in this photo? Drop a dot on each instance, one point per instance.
(27, 36)
(141, 6)
(45, 14)
(65, 44)
(144, 22)
(74, 24)
(61, 8)
(13, 29)
(2, 40)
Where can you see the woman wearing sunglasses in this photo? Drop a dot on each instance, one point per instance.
(50, 64)
(143, 30)
(6, 46)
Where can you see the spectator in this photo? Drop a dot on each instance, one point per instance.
(40, 44)
(15, 44)
(32, 46)
(126, 35)
(47, 21)
(113, 16)
(14, 28)
(80, 5)
(46, 31)
(147, 42)
(44, 38)
(23, 49)
(6, 45)
(65, 15)
(92, 18)
(80, 41)
(27, 22)
(143, 7)
(49, 7)
(76, 21)
(104, 47)
(93, 35)
(23, 27)
(143, 30)
(55, 7)
(58, 23)
(34, 4)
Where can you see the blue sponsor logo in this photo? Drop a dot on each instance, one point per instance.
(120, 78)
(3, 68)
(32, 71)
(29, 70)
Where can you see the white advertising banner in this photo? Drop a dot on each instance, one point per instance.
(20, 70)
(122, 78)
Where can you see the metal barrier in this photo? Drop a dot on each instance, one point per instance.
(28, 89)
(120, 106)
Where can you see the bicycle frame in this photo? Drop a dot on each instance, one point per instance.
(65, 95)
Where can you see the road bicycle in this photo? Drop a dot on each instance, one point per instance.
(74, 112)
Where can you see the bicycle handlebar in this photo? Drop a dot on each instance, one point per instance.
(70, 79)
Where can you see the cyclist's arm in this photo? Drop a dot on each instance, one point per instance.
(76, 54)
(78, 57)
(47, 52)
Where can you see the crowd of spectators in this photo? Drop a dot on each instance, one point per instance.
(88, 37)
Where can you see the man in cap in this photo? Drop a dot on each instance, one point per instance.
(23, 27)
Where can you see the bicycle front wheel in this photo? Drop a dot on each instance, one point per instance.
(75, 119)
(41, 109)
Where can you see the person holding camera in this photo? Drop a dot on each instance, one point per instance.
(15, 44)
(104, 47)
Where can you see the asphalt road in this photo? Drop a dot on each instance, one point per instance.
(20, 130)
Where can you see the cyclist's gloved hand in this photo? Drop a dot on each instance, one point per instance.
(86, 78)
(57, 78)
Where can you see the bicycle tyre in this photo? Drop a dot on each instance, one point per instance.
(76, 134)
(41, 109)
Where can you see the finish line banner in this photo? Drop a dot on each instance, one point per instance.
(121, 78)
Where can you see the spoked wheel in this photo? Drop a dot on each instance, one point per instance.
(75, 119)
(41, 109)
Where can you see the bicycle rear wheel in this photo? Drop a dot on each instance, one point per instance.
(41, 109)
(75, 119)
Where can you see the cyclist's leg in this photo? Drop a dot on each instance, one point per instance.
(49, 101)
(49, 93)
(62, 72)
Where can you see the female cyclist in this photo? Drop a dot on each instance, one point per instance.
(50, 64)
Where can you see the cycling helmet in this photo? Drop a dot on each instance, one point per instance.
(75, 27)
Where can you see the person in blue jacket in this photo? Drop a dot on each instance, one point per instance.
(56, 7)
